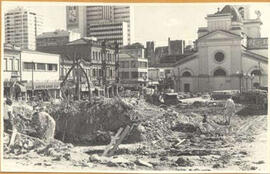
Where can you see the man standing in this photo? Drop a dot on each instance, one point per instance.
(229, 110)
(8, 116)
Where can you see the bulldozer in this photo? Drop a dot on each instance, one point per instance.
(255, 102)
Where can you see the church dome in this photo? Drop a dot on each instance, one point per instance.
(230, 9)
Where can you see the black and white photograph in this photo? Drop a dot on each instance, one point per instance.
(134, 87)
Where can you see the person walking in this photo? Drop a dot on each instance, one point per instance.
(229, 110)
(8, 115)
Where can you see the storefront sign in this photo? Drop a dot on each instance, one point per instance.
(257, 43)
(43, 85)
(72, 16)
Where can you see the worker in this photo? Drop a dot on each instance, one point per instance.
(265, 102)
(8, 116)
(44, 124)
(229, 110)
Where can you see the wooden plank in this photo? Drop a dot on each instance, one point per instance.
(13, 137)
(119, 141)
(113, 141)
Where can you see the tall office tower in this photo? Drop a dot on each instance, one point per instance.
(150, 49)
(110, 14)
(81, 18)
(21, 27)
(176, 47)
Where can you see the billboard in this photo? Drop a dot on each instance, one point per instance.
(72, 16)
(257, 43)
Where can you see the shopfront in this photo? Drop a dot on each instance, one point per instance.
(44, 90)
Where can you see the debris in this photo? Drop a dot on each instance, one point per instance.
(143, 163)
(184, 162)
(44, 125)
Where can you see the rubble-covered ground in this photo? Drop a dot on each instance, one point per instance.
(164, 138)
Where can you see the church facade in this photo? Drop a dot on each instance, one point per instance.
(230, 54)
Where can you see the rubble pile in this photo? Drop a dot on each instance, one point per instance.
(92, 122)
(168, 137)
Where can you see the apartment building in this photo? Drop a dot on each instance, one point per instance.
(21, 27)
(80, 18)
(133, 71)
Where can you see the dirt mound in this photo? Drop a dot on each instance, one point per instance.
(92, 122)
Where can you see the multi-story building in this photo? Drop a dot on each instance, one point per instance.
(229, 54)
(76, 19)
(30, 71)
(155, 75)
(96, 62)
(11, 68)
(50, 41)
(150, 52)
(176, 47)
(133, 71)
(111, 32)
(21, 27)
(82, 17)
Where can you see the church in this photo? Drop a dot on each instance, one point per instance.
(230, 54)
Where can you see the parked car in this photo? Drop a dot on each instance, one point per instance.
(224, 94)
(170, 98)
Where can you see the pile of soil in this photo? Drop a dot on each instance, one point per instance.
(92, 123)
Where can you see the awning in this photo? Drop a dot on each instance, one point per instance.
(21, 87)
(43, 85)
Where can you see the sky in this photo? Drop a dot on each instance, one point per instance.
(152, 22)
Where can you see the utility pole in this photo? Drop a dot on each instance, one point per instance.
(260, 73)
(78, 81)
(117, 65)
(103, 65)
(33, 66)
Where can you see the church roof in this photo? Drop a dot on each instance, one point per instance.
(225, 31)
(234, 12)
(254, 55)
(186, 59)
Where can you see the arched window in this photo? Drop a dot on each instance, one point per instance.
(256, 72)
(219, 72)
(186, 74)
(241, 10)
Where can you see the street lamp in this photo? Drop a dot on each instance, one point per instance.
(240, 75)
(246, 76)
(252, 76)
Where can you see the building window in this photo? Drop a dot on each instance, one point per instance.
(186, 74)
(219, 56)
(134, 75)
(97, 55)
(111, 73)
(52, 67)
(5, 64)
(219, 72)
(10, 65)
(125, 75)
(94, 55)
(16, 65)
(28, 66)
(41, 66)
(133, 64)
(256, 72)
(100, 73)
(94, 72)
